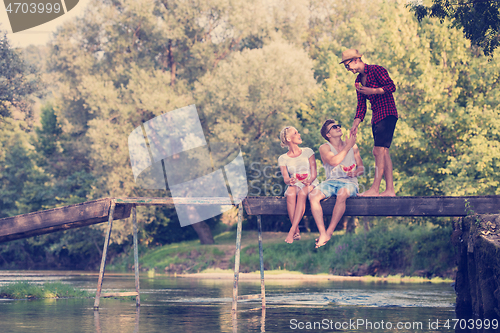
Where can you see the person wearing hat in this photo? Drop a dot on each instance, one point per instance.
(373, 83)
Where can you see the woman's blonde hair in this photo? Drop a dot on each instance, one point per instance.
(283, 136)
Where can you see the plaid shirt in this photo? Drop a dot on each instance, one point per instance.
(382, 105)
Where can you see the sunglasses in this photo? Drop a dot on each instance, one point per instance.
(334, 127)
(346, 64)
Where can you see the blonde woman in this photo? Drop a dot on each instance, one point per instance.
(298, 167)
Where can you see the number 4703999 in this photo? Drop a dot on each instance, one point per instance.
(471, 324)
(33, 8)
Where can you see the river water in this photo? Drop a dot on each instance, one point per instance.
(171, 304)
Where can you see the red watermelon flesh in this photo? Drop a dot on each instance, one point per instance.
(301, 176)
(348, 168)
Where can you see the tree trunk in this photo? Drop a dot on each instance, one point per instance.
(171, 63)
(366, 223)
(204, 232)
(349, 224)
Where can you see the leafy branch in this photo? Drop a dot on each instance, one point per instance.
(470, 212)
(479, 19)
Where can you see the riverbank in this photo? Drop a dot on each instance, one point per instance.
(419, 251)
(271, 276)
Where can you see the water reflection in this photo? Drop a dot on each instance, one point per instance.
(262, 320)
(97, 321)
(189, 305)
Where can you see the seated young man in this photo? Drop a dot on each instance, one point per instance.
(343, 165)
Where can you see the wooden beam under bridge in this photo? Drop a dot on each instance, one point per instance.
(57, 219)
(385, 206)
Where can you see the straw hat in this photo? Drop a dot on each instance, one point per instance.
(350, 54)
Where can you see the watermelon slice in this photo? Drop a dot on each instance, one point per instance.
(301, 176)
(358, 85)
(348, 168)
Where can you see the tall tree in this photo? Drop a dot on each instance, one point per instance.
(478, 19)
(251, 96)
(17, 81)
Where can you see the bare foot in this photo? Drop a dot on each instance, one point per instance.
(296, 237)
(387, 193)
(369, 193)
(329, 235)
(322, 240)
(289, 239)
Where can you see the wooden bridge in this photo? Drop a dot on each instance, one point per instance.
(109, 209)
(97, 211)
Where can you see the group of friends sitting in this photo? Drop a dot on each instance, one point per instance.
(341, 158)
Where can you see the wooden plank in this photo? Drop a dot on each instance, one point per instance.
(120, 294)
(177, 201)
(56, 219)
(384, 206)
(249, 205)
(255, 296)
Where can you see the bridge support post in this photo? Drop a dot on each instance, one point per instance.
(136, 256)
(104, 254)
(261, 257)
(262, 294)
(237, 261)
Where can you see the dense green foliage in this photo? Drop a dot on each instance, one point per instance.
(17, 81)
(479, 20)
(251, 68)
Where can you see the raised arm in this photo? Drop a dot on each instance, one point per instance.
(360, 169)
(334, 159)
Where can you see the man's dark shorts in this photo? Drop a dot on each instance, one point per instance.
(383, 131)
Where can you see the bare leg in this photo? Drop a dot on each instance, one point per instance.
(317, 211)
(389, 187)
(379, 153)
(338, 211)
(300, 208)
(291, 201)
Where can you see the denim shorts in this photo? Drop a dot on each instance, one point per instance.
(332, 187)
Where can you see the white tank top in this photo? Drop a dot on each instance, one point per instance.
(340, 171)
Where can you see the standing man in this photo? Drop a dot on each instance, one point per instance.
(373, 83)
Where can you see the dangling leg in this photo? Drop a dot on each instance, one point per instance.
(300, 208)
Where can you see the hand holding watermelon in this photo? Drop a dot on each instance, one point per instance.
(301, 176)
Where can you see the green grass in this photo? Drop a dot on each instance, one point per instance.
(400, 249)
(193, 256)
(407, 250)
(23, 290)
